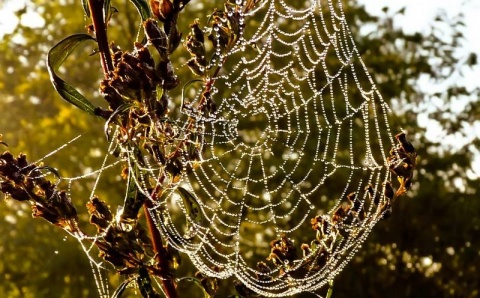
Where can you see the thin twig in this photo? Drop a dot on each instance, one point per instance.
(97, 13)
(160, 254)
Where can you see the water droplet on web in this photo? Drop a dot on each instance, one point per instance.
(295, 112)
(190, 233)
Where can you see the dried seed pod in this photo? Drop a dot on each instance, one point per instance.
(100, 214)
(157, 37)
(352, 197)
(250, 4)
(123, 90)
(195, 66)
(404, 143)
(174, 38)
(110, 94)
(306, 249)
(144, 54)
(386, 210)
(15, 191)
(196, 32)
(166, 72)
(162, 9)
(196, 48)
(264, 270)
(388, 191)
(65, 206)
(402, 169)
(374, 196)
(340, 213)
(49, 214)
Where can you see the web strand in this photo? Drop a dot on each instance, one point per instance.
(299, 126)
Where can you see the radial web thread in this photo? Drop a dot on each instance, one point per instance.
(299, 126)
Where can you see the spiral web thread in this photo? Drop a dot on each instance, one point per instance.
(299, 125)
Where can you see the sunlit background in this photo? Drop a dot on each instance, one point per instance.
(430, 246)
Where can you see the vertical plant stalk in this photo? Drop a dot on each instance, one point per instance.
(160, 254)
(97, 12)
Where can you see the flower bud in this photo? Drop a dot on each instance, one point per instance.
(162, 9)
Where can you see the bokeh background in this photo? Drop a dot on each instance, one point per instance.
(424, 65)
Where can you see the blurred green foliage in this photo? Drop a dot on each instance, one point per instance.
(428, 248)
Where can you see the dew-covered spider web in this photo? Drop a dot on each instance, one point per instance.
(289, 182)
(299, 126)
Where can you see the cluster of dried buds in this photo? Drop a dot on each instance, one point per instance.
(350, 211)
(342, 222)
(402, 160)
(123, 241)
(138, 103)
(284, 255)
(223, 31)
(25, 182)
(136, 86)
(283, 252)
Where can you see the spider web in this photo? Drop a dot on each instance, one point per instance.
(299, 125)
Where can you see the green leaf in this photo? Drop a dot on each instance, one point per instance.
(144, 283)
(193, 210)
(86, 8)
(330, 289)
(134, 198)
(143, 8)
(119, 291)
(106, 10)
(56, 57)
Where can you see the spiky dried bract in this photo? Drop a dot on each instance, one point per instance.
(24, 181)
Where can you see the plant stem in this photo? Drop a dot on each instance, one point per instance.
(160, 255)
(97, 13)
